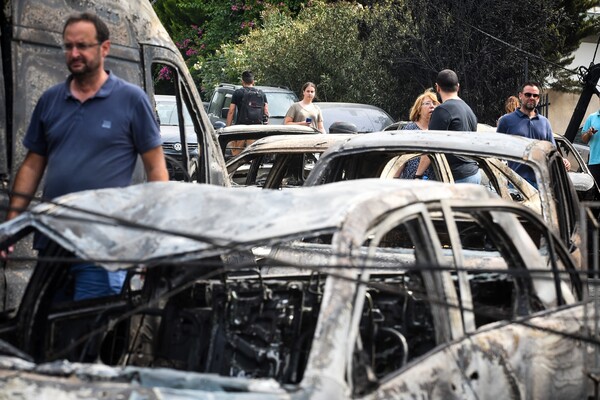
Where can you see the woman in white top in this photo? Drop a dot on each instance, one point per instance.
(305, 112)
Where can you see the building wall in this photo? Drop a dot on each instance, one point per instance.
(562, 106)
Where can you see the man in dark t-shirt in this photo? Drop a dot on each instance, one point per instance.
(455, 115)
(238, 96)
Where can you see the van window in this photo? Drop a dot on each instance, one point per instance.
(178, 129)
(216, 103)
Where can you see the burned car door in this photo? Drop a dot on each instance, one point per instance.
(195, 157)
(494, 280)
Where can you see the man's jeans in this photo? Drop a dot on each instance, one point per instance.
(475, 178)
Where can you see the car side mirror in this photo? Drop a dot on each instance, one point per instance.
(224, 112)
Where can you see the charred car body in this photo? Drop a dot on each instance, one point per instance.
(280, 161)
(234, 139)
(388, 289)
(384, 154)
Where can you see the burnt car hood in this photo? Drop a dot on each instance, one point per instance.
(122, 227)
(65, 380)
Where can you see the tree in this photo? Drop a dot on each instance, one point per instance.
(322, 45)
(488, 43)
(200, 27)
(386, 52)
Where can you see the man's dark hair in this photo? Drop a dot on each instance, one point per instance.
(102, 33)
(248, 77)
(447, 80)
(529, 83)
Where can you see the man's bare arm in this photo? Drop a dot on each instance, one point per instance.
(230, 114)
(154, 164)
(26, 182)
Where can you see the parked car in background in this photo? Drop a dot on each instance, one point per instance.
(233, 139)
(364, 117)
(280, 99)
(281, 161)
(384, 155)
(371, 290)
(168, 118)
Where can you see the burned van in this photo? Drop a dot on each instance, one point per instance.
(141, 53)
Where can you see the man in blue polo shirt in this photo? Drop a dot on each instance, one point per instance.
(85, 134)
(527, 122)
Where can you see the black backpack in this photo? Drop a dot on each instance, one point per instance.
(252, 107)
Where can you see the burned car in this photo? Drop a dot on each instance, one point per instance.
(280, 161)
(387, 289)
(384, 154)
(579, 172)
(233, 139)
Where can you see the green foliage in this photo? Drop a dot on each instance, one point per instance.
(489, 44)
(322, 45)
(384, 52)
(200, 27)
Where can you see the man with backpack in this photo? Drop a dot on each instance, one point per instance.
(251, 103)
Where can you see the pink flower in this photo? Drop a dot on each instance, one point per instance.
(234, 7)
(164, 74)
(190, 52)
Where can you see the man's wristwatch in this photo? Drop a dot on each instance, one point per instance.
(418, 176)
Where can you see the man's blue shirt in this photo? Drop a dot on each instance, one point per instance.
(517, 123)
(94, 144)
(538, 127)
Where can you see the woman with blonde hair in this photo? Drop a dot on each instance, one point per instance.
(511, 104)
(420, 113)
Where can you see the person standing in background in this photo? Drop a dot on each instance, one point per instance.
(510, 105)
(420, 114)
(455, 115)
(590, 137)
(305, 112)
(251, 103)
(527, 122)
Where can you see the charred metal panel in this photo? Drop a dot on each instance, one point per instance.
(4, 103)
(531, 359)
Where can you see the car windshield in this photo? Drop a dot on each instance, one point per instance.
(167, 113)
(279, 103)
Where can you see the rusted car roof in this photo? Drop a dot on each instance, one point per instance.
(488, 143)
